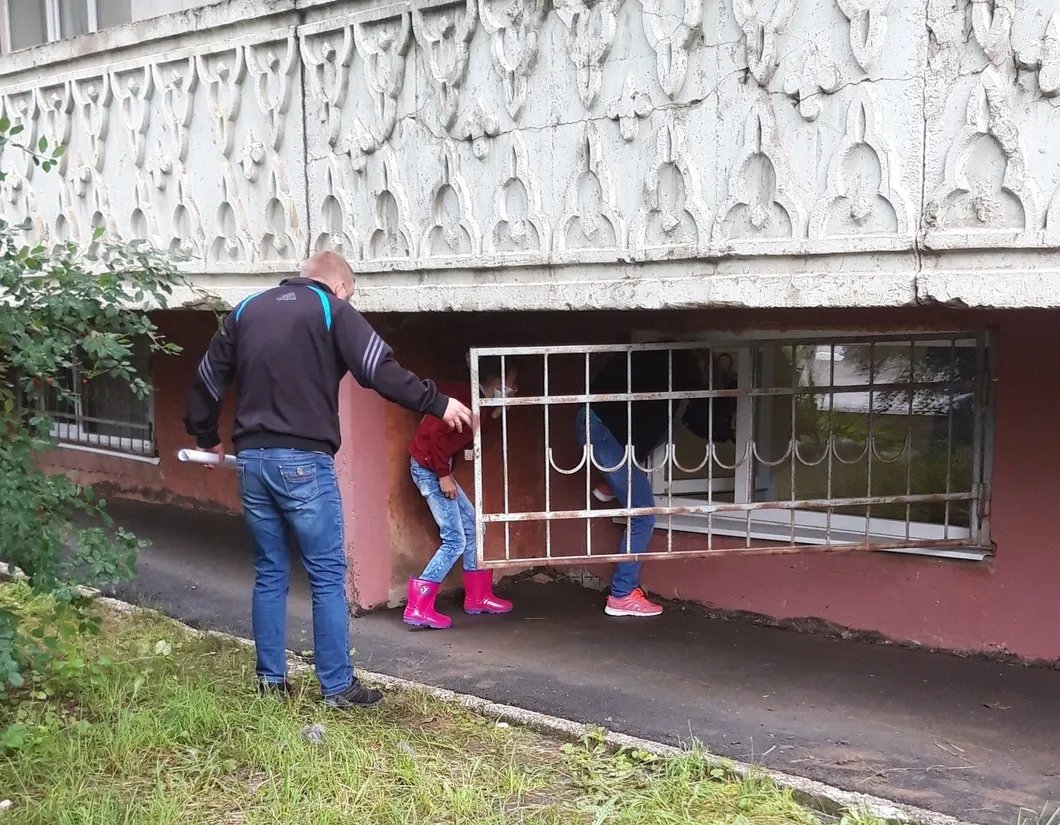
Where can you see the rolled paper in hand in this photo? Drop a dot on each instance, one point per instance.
(205, 457)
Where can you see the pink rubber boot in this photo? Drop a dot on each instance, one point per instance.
(420, 612)
(478, 594)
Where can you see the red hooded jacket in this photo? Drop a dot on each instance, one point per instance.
(434, 445)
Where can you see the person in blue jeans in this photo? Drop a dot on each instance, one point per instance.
(432, 451)
(605, 428)
(287, 349)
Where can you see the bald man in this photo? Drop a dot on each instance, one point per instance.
(287, 349)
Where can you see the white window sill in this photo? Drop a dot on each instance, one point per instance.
(774, 527)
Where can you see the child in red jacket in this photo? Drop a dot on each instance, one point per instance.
(432, 450)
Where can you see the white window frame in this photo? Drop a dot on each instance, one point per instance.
(810, 527)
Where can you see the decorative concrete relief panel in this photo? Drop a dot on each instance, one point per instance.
(92, 99)
(992, 27)
(383, 46)
(182, 233)
(987, 195)
(133, 96)
(1041, 55)
(592, 227)
(479, 127)
(763, 206)
(273, 68)
(521, 232)
(334, 225)
(629, 109)
(1052, 221)
(463, 134)
(671, 39)
(327, 57)
(514, 27)
(452, 235)
(444, 33)
(868, 24)
(761, 21)
(18, 194)
(865, 205)
(672, 218)
(818, 78)
(222, 75)
(391, 238)
(591, 29)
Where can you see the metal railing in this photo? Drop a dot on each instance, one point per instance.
(924, 490)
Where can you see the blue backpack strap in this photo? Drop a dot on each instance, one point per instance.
(325, 303)
(243, 304)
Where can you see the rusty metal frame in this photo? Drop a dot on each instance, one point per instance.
(976, 536)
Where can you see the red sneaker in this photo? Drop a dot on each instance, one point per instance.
(635, 604)
(601, 492)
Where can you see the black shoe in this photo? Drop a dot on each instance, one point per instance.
(355, 696)
(279, 689)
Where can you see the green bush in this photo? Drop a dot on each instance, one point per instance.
(62, 305)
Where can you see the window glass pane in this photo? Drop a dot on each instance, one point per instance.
(73, 18)
(111, 409)
(28, 24)
(114, 12)
(869, 420)
(699, 422)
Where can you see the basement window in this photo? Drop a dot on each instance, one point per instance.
(102, 412)
(759, 444)
(868, 440)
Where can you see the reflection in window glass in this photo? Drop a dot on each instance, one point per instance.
(73, 18)
(28, 24)
(114, 12)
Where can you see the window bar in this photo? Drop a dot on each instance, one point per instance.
(870, 440)
(794, 435)
(547, 409)
(949, 441)
(629, 448)
(830, 442)
(589, 451)
(710, 449)
(979, 485)
(669, 449)
(504, 463)
(909, 437)
(476, 411)
(751, 453)
(742, 465)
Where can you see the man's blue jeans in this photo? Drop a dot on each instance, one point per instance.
(297, 491)
(609, 453)
(455, 518)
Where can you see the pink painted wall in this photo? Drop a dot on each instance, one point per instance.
(992, 606)
(362, 466)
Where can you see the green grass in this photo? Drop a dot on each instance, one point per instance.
(169, 730)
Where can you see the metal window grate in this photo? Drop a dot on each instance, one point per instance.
(837, 443)
(103, 412)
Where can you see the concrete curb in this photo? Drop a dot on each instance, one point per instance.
(815, 795)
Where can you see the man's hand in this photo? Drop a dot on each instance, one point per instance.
(457, 416)
(448, 485)
(218, 451)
